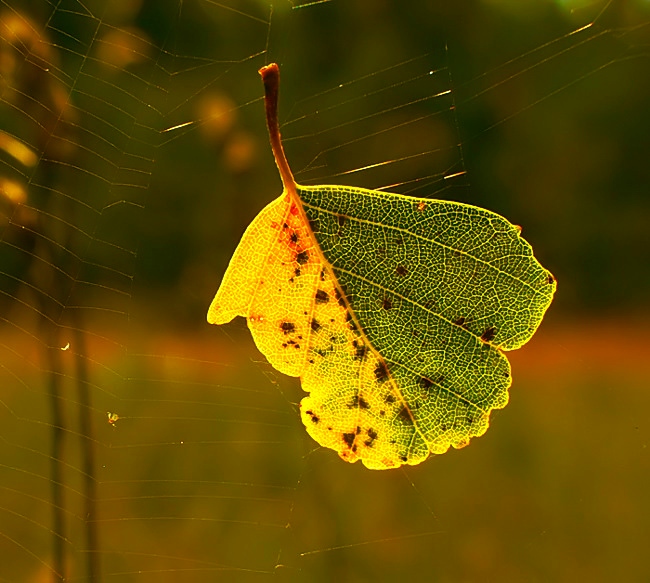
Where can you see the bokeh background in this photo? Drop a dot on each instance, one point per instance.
(137, 443)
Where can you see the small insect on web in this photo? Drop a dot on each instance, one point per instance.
(394, 311)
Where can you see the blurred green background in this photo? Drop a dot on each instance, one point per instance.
(134, 154)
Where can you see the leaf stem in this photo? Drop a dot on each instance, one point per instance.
(271, 79)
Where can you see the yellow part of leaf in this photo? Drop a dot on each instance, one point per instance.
(279, 281)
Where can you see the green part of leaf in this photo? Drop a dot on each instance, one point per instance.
(440, 289)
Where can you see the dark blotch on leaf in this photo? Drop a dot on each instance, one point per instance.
(322, 297)
(363, 404)
(315, 325)
(315, 418)
(489, 334)
(350, 321)
(302, 257)
(401, 270)
(550, 279)
(372, 435)
(459, 321)
(360, 351)
(387, 304)
(349, 438)
(313, 225)
(426, 383)
(340, 219)
(381, 372)
(339, 297)
(294, 237)
(404, 415)
(288, 327)
(389, 398)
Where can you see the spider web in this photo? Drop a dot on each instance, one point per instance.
(139, 444)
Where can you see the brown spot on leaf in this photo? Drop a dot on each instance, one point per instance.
(401, 270)
(349, 438)
(350, 321)
(459, 321)
(322, 297)
(315, 418)
(288, 328)
(426, 383)
(381, 372)
(387, 304)
(372, 435)
(404, 415)
(360, 351)
(294, 237)
(489, 334)
(302, 257)
(315, 325)
(339, 297)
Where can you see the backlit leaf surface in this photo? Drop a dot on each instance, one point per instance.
(394, 311)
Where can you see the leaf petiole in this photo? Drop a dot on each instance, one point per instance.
(271, 79)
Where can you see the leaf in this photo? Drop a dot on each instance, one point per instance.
(394, 311)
